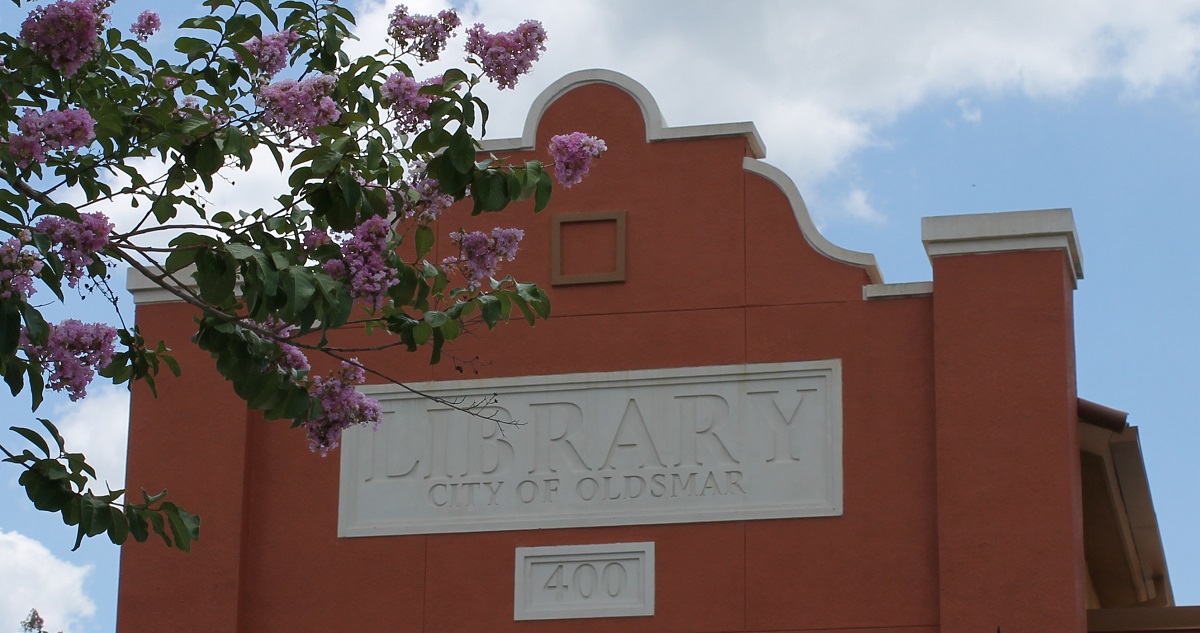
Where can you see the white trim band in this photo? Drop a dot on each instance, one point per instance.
(1046, 229)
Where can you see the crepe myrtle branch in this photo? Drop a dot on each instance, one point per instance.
(59, 482)
(168, 282)
(376, 155)
(172, 284)
(473, 409)
(24, 188)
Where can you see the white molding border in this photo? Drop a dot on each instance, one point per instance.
(1045, 229)
(896, 291)
(526, 586)
(656, 127)
(807, 227)
(146, 292)
(386, 506)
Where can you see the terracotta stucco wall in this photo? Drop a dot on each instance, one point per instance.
(718, 273)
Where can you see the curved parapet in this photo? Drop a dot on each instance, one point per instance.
(823, 246)
(656, 127)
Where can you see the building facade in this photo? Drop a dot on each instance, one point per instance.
(728, 424)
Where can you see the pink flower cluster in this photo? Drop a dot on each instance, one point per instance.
(425, 201)
(480, 254)
(400, 93)
(315, 239)
(507, 55)
(66, 33)
(271, 52)
(341, 406)
(573, 155)
(299, 106)
(77, 242)
(38, 133)
(291, 358)
(74, 351)
(18, 268)
(146, 24)
(422, 35)
(363, 265)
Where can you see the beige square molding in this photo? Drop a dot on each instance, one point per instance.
(560, 278)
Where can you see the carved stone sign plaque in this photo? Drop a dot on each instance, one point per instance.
(584, 581)
(620, 448)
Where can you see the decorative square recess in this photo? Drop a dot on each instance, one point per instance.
(587, 248)
(584, 581)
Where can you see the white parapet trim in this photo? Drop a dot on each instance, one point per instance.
(656, 127)
(146, 292)
(807, 228)
(1046, 229)
(897, 291)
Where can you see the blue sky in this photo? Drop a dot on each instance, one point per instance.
(883, 112)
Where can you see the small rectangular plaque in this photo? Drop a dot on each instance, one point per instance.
(584, 581)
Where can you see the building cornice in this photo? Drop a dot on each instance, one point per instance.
(1047, 229)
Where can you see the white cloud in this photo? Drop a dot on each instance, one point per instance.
(98, 427)
(969, 111)
(33, 578)
(857, 205)
(823, 80)
(233, 191)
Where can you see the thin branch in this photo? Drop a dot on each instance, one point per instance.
(471, 410)
(24, 188)
(167, 281)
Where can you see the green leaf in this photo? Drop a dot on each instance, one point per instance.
(424, 238)
(542, 305)
(36, 386)
(118, 529)
(47, 495)
(324, 164)
(185, 527)
(490, 309)
(462, 151)
(542, 195)
(300, 287)
(215, 277)
(156, 524)
(204, 22)
(150, 499)
(208, 157)
(241, 251)
(489, 188)
(451, 329)
(299, 176)
(526, 311)
(421, 333)
(58, 439)
(14, 375)
(33, 438)
(83, 521)
(170, 362)
(450, 180)
(95, 515)
(192, 47)
(79, 464)
(180, 259)
(453, 77)
(436, 318)
(10, 327)
(35, 325)
(137, 523)
(484, 112)
(438, 341)
(163, 208)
